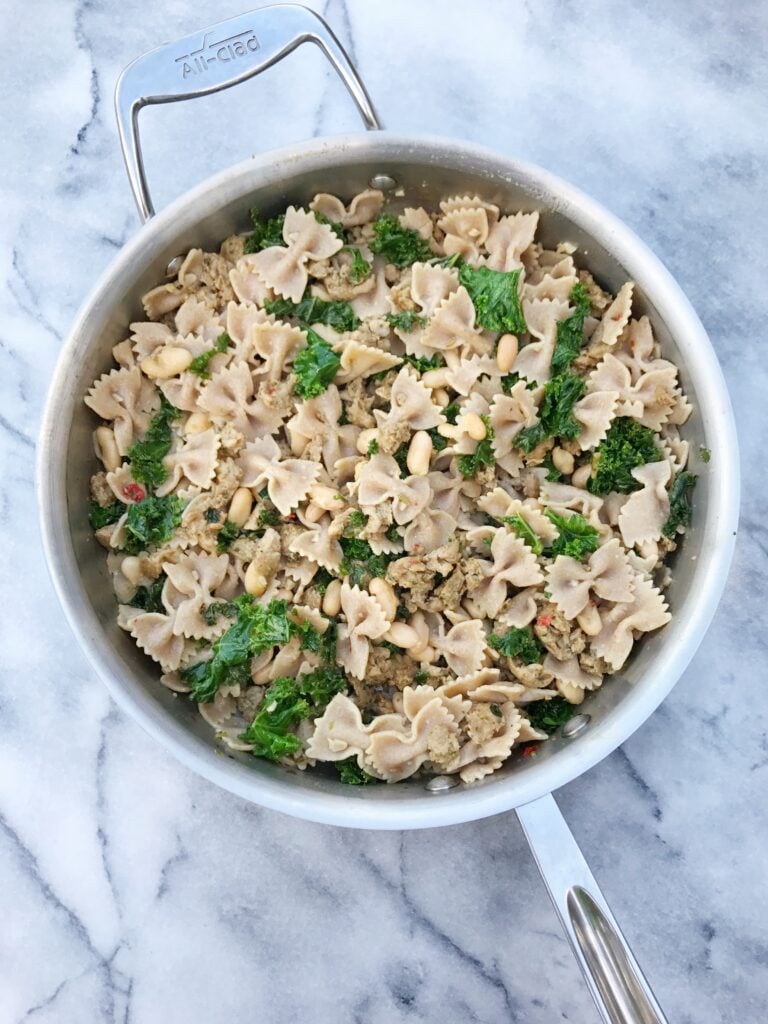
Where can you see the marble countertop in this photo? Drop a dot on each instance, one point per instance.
(134, 891)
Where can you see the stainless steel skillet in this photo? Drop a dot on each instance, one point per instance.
(425, 169)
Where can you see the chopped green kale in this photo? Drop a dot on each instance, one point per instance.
(438, 441)
(627, 445)
(556, 417)
(495, 295)
(148, 598)
(397, 244)
(679, 503)
(147, 455)
(151, 522)
(517, 643)
(212, 515)
(451, 412)
(352, 774)
(336, 227)
(99, 516)
(425, 363)
(705, 454)
(360, 564)
(373, 447)
(481, 456)
(570, 332)
(549, 715)
(321, 580)
(575, 538)
(264, 233)
(406, 320)
(227, 535)
(360, 268)
(315, 366)
(355, 522)
(338, 315)
(213, 611)
(524, 531)
(200, 364)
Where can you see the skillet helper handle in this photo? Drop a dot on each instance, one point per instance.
(620, 991)
(216, 58)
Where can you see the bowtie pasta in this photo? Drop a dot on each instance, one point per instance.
(392, 491)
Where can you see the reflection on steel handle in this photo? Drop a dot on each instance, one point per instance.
(620, 991)
(217, 58)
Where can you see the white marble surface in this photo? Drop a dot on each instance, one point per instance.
(135, 892)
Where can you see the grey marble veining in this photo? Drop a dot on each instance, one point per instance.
(136, 892)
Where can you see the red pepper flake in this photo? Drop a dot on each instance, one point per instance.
(544, 620)
(133, 492)
(530, 750)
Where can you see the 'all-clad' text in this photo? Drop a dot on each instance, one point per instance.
(221, 51)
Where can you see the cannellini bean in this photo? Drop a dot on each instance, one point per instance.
(166, 362)
(573, 694)
(590, 620)
(562, 460)
(255, 581)
(581, 475)
(130, 567)
(240, 506)
(332, 598)
(419, 453)
(471, 424)
(441, 396)
(449, 430)
(435, 378)
(327, 498)
(364, 439)
(506, 352)
(314, 512)
(385, 595)
(426, 655)
(402, 635)
(419, 623)
(106, 448)
(197, 423)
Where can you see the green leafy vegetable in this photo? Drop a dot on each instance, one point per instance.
(627, 445)
(406, 320)
(356, 522)
(495, 295)
(336, 227)
(148, 598)
(556, 417)
(451, 412)
(360, 268)
(218, 608)
(227, 535)
(575, 538)
(373, 447)
(425, 363)
(705, 454)
(549, 715)
(147, 455)
(517, 643)
(553, 473)
(200, 364)
(570, 332)
(438, 441)
(212, 515)
(321, 580)
(352, 774)
(315, 366)
(401, 458)
(393, 533)
(151, 522)
(265, 233)
(524, 531)
(481, 456)
(99, 516)
(397, 244)
(360, 563)
(679, 503)
(338, 315)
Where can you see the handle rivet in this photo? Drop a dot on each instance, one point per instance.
(174, 266)
(576, 725)
(441, 783)
(384, 182)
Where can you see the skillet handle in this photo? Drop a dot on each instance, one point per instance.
(620, 991)
(214, 59)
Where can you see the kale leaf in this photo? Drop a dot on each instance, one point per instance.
(575, 538)
(315, 366)
(265, 233)
(517, 643)
(406, 320)
(147, 455)
(627, 445)
(570, 332)
(556, 417)
(360, 563)
(200, 364)
(495, 295)
(373, 448)
(338, 315)
(360, 268)
(481, 456)
(549, 715)
(99, 516)
(213, 611)
(336, 226)
(151, 522)
(227, 535)
(352, 774)
(524, 531)
(148, 598)
(425, 363)
(397, 244)
(679, 503)
(321, 580)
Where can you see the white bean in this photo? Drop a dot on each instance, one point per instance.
(106, 448)
(449, 430)
(327, 498)
(314, 512)
(471, 424)
(573, 694)
(435, 378)
(255, 581)
(130, 567)
(419, 453)
(402, 635)
(385, 595)
(441, 396)
(197, 423)
(590, 621)
(166, 362)
(419, 623)
(581, 475)
(332, 598)
(562, 460)
(506, 352)
(240, 507)
(364, 439)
